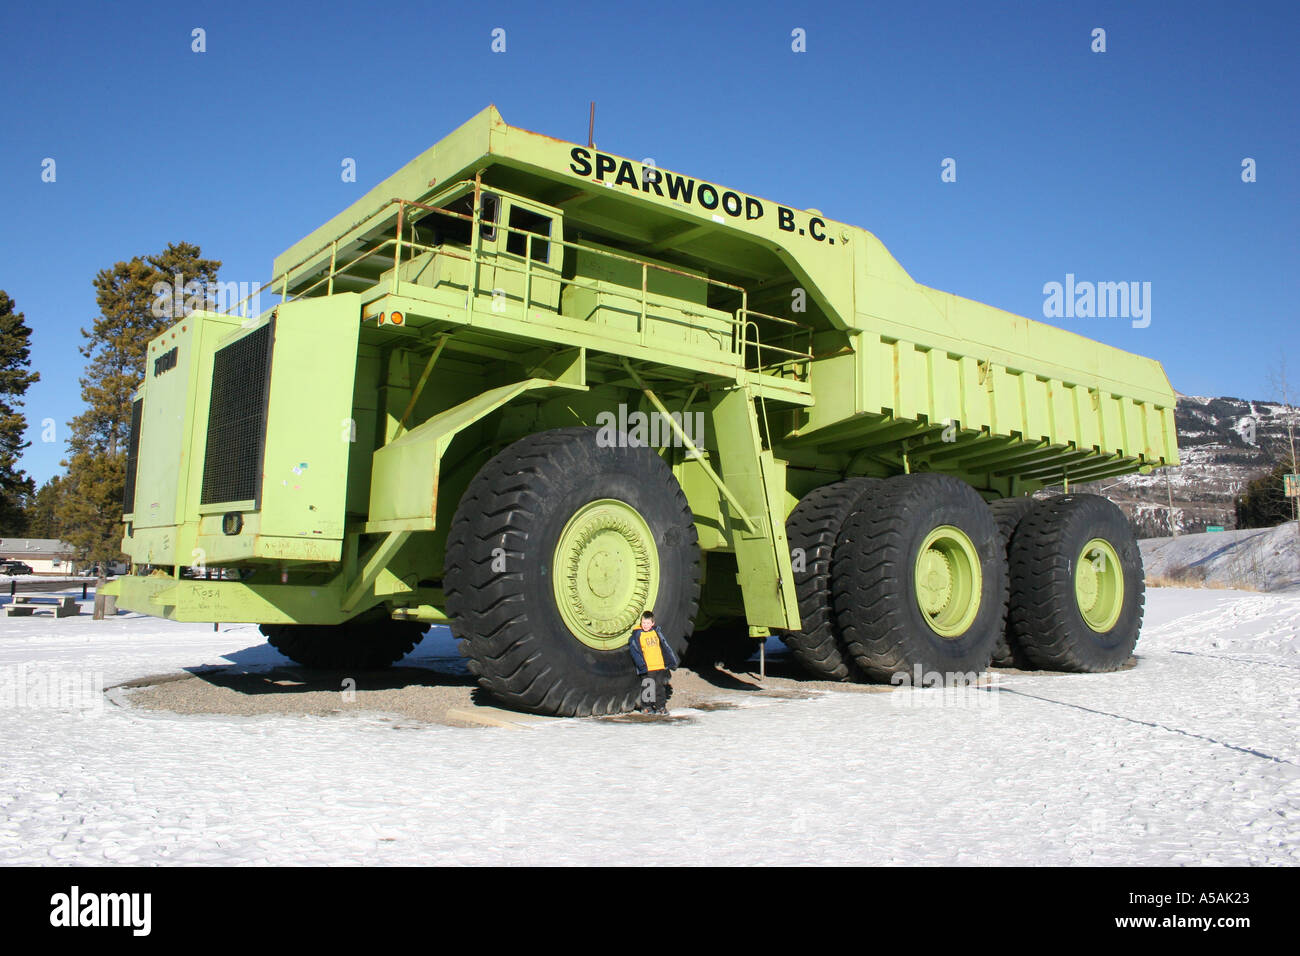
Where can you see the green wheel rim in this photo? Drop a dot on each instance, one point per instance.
(948, 581)
(1099, 585)
(606, 572)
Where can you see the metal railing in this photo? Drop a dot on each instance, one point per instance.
(17, 586)
(787, 360)
(742, 329)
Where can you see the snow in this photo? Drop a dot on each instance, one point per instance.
(1263, 559)
(45, 578)
(1190, 757)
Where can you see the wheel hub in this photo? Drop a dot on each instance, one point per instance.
(603, 573)
(934, 581)
(1099, 585)
(947, 581)
(606, 572)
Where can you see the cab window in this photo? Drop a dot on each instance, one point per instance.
(436, 229)
(526, 221)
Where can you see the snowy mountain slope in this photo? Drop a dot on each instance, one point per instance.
(1224, 443)
(1257, 559)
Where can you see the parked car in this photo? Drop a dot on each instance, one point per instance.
(15, 567)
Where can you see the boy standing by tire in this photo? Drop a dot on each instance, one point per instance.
(655, 661)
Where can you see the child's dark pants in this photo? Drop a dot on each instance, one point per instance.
(654, 689)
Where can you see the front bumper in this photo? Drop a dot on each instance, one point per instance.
(231, 602)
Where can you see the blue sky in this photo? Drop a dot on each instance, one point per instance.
(1115, 166)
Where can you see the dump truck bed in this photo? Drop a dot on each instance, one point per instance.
(917, 374)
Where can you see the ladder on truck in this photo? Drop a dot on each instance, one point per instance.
(752, 483)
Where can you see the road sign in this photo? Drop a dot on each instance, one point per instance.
(1291, 483)
(1214, 527)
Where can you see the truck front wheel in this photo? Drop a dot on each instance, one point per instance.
(557, 547)
(1076, 585)
(919, 580)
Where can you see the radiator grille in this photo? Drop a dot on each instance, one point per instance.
(232, 463)
(132, 458)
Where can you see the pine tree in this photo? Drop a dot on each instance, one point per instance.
(15, 378)
(1264, 503)
(89, 509)
(42, 510)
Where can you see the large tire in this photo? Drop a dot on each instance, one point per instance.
(1072, 608)
(369, 641)
(613, 518)
(1008, 513)
(813, 527)
(920, 539)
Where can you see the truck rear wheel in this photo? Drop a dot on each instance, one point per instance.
(1008, 513)
(811, 530)
(557, 547)
(367, 642)
(919, 579)
(1076, 585)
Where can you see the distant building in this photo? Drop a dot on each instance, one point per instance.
(45, 555)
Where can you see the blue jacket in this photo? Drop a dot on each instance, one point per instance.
(651, 651)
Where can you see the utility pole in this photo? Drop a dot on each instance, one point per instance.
(1290, 435)
(1169, 491)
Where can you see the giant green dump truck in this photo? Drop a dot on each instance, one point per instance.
(530, 389)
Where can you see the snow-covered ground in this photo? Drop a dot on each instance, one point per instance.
(1262, 559)
(22, 579)
(1190, 757)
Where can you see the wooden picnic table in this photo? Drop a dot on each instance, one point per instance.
(29, 605)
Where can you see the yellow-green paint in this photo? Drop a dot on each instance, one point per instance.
(1099, 585)
(418, 343)
(397, 498)
(604, 572)
(947, 581)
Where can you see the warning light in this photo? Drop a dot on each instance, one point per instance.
(396, 318)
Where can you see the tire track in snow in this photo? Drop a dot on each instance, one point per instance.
(1145, 723)
(1238, 660)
